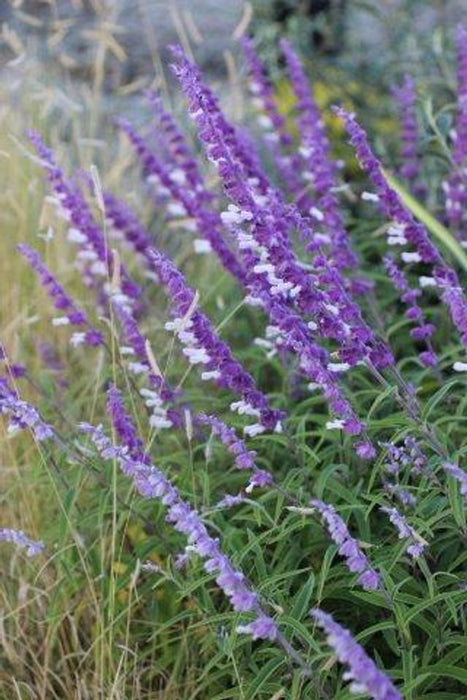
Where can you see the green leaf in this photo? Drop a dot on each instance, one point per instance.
(302, 601)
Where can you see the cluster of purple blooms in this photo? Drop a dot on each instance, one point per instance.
(348, 546)
(311, 307)
(150, 482)
(410, 232)
(22, 415)
(18, 538)
(365, 676)
(398, 459)
(455, 186)
(406, 97)
(416, 544)
(70, 314)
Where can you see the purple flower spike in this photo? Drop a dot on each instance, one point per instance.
(174, 140)
(356, 561)
(406, 97)
(273, 124)
(414, 312)
(158, 394)
(203, 346)
(459, 474)
(365, 450)
(150, 482)
(416, 545)
(262, 628)
(364, 674)
(17, 537)
(277, 280)
(94, 257)
(21, 414)
(244, 458)
(408, 228)
(206, 221)
(315, 152)
(455, 187)
(70, 314)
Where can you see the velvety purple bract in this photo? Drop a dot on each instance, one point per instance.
(364, 674)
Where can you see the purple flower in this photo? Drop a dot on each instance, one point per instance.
(273, 125)
(70, 314)
(455, 187)
(228, 501)
(406, 97)
(348, 547)
(277, 280)
(244, 458)
(21, 414)
(203, 346)
(459, 474)
(317, 163)
(414, 312)
(152, 483)
(124, 426)
(416, 545)
(364, 674)
(413, 232)
(207, 222)
(260, 478)
(94, 256)
(262, 628)
(365, 450)
(173, 139)
(17, 537)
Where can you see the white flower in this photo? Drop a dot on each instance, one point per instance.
(427, 281)
(338, 366)
(60, 321)
(159, 422)
(234, 215)
(137, 367)
(187, 337)
(214, 374)
(178, 324)
(263, 343)
(272, 331)
(460, 366)
(176, 209)
(178, 176)
(397, 240)
(99, 268)
(370, 197)
(77, 339)
(335, 424)
(411, 257)
(317, 213)
(253, 301)
(305, 151)
(255, 429)
(263, 267)
(265, 122)
(87, 254)
(244, 408)
(196, 356)
(202, 246)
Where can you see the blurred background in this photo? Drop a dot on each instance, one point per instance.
(121, 45)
